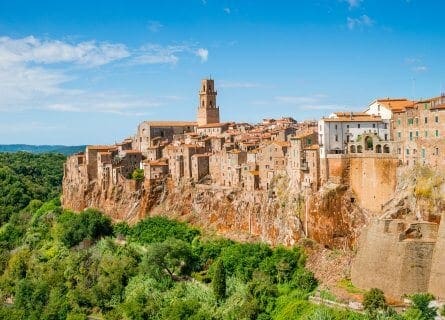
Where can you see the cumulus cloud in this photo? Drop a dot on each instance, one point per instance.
(31, 49)
(203, 54)
(38, 74)
(360, 22)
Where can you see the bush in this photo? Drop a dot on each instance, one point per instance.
(89, 224)
(374, 301)
(158, 229)
(138, 175)
(420, 306)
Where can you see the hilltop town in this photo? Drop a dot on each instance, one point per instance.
(275, 180)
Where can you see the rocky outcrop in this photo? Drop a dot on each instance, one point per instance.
(278, 216)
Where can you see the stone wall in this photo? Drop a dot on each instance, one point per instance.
(395, 256)
(437, 280)
(373, 180)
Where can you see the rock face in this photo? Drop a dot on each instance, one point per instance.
(278, 216)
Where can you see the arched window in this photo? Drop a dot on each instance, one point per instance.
(352, 148)
(368, 143)
(378, 148)
(359, 149)
(385, 148)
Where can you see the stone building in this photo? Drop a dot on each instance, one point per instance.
(300, 152)
(208, 111)
(419, 131)
(271, 160)
(163, 130)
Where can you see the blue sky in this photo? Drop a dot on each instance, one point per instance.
(87, 72)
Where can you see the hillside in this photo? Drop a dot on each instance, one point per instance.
(66, 150)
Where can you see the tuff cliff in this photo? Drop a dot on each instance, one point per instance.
(278, 216)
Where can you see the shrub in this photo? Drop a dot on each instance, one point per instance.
(219, 281)
(138, 175)
(374, 301)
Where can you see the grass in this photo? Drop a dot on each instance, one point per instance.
(349, 287)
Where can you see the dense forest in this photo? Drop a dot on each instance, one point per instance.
(57, 264)
(66, 150)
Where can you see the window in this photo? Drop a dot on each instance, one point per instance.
(373, 125)
(437, 151)
(426, 120)
(386, 137)
(426, 134)
(411, 135)
(436, 119)
(399, 135)
(437, 133)
(425, 106)
(410, 121)
(423, 152)
(398, 122)
(407, 151)
(336, 137)
(347, 126)
(335, 127)
(417, 120)
(358, 126)
(417, 134)
(399, 151)
(385, 126)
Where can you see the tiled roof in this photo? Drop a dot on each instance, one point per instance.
(396, 103)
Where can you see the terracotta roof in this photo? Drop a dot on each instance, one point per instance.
(282, 143)
(395, 103)
(302, 135)
(438, 107)
(170, 123)
(354, 117)
(158, 162)
(313, 147)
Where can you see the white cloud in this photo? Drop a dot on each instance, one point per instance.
(35, 74)
(420, 68)
(360, 22)
(353, 3)
(227, 10)
(203, 54)
(154, 26)
(31, 49)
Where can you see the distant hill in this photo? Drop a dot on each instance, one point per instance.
(66, 150)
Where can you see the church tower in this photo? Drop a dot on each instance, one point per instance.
(208, 111)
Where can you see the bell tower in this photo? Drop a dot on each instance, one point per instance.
(208, 111)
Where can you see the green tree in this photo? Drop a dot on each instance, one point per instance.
(374, 301)
(138, 175)
(172, 257)
(219, 280)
